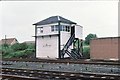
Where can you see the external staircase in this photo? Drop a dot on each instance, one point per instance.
(72, 53)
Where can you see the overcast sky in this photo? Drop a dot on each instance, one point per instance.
(97, 17)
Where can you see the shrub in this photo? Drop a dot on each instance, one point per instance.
(22, 53)
(6, 50)
(86, 52)
(18, 50)
(18, 47)
(31, 46)
(23, 46)
(15, 47)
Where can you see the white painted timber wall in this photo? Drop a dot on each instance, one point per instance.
(78, 31)
(64, 38)
(47, 47)
(47, 30)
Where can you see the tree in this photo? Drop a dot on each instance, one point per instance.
(89, 37)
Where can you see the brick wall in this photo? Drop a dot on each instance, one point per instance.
(105, 48)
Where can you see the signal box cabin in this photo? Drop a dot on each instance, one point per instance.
(57, 37)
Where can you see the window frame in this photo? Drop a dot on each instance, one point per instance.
(39, 30)
(65, 28)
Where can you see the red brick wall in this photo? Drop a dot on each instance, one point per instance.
(119, 48)
(105, 48)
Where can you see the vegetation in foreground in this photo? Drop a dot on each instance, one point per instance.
(18, 50)
(86, 45)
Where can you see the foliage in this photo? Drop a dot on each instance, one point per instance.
(5, 50)
(22, 53)
(15, 47)
(86, 51)
(23, 46)
(5, 45)
(86, 45)
(89, 37)
(31, 46)
(17, 50)
(18, 46)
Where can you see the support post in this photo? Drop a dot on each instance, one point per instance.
(81, 46)
(59, 41)
(35, 40)
(78, 46)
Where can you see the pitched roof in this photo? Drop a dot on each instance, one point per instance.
(54, 19)
(7, 41)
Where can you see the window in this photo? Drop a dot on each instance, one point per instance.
(40, 30)
(62, 28)
(68, 28)
(54, 28)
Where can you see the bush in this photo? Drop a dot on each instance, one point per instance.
(10, 55)
(31, 46)
(18, 47)
(18, 50)
(86, 52)
(6, 50)
(22, 53)
(23, 46)
(15, 47)
(5, 45)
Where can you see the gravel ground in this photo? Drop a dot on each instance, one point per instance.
(106, 69)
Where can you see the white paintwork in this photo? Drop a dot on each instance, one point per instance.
(65, 24)
(78, 31)
(64, 38)
(47, 47)
(46, 30)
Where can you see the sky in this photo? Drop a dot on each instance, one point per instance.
(97, 17)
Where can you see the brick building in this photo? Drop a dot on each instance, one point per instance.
(105, 48)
